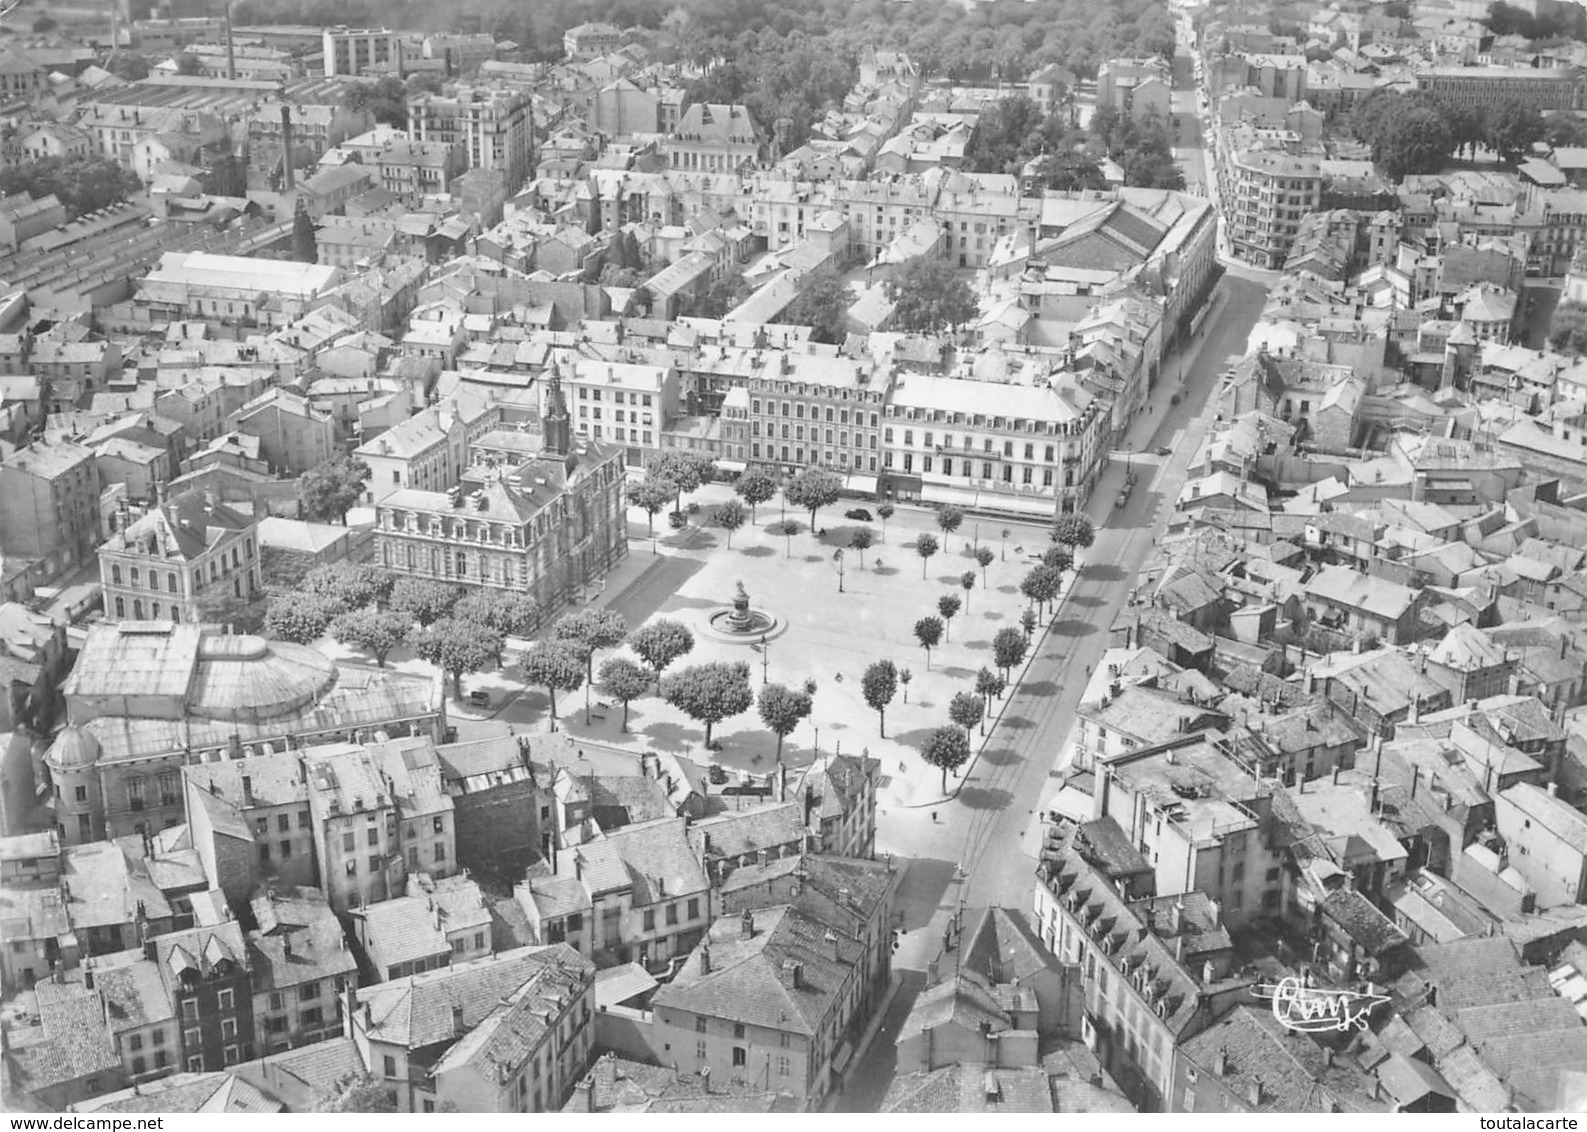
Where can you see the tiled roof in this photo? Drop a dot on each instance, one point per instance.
(70, 1043)
(417, 1011)
(1353, 912)
(1003, 948)
(750, 975)
(1253, 1058)
(296, 953)
(743, 832)
(971, 1088)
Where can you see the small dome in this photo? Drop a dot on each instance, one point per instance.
(74, 747)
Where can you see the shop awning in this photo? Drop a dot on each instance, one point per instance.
(976, 500)
(731, 465)
(862, 484)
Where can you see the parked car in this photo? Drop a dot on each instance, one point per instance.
(1165, 450)
(479, 699)
(858, 514)
(677, 520)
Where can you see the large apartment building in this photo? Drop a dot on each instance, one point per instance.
(190, 558)
(494, 127)
(1266, 194)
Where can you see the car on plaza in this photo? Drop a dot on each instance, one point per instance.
(858, 514)
(677, 520)
(1165, 450)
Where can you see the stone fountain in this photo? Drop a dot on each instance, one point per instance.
(742, 623)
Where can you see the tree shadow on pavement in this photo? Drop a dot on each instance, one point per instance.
(958, 673)
(984, 798)
(757, 551)
(1007, 589)
(1073, 628)
(666, 736)
(1085, 601)
(1102, 573)
(1040, 688)
(1001, 756)
(1016, 723)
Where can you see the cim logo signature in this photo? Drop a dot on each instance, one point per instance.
(1316, 1010)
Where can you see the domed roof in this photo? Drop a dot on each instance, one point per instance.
(73, 747)
(242, 678)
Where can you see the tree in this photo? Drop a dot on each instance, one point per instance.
(189, 64)
(947, 606)
(1057, 557)
(130, 66)
(1407, 135)
(710, 693)
(989, 686)
(1564, 129)
(422, 600)
(781, 709)
(929, 297)
(372, 631)
(949, 519)
(813, 489)
(624, 681)
(555, 666)
(787, 528)
(305, 246)
(730, 517)
(456, 648)
(967, 583)
(879, 685)
(884, 513)
(755, 487)
(1074, 530)
(1008, 649)
(928, 631)
(299, 618)
(984, 558)
(1068, 172)
(967, 710)
(684, 468)
(650, 496)
(228, 175)
(861, 541)
(510, 614)
(386, 98)
(357, 1092)
(1027, 621)
(331, 488)
(946, 748)
(925, 546)
(1041, 584)
(82, 184)
(1567, 331)
(590, 630)
(823, 305)
(1003, 540)
(1512, 128)
(660, 643)
(351, 585)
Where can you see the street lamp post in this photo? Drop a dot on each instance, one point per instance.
(837, 556)
(765, 657)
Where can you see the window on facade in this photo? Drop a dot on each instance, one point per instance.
(740, 1056)
(672, 914)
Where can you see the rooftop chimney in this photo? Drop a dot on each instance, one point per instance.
(457, 1020)
(286, 148)
(1220, 1061)
(247, 789)
(746, 929)
(795, 972)
(705, 959)
(1255, 1094)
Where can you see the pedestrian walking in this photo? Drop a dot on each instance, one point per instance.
(933, 815)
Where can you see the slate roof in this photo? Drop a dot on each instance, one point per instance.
(656, 861)
(967, 1000)
(749, 976)
(188, 1093)
(498, 1046)
(1003, 948)
(623, 1086)
(296, 953)
(401, 931)
(742, 832)
(416, 1011)
(134, 995)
